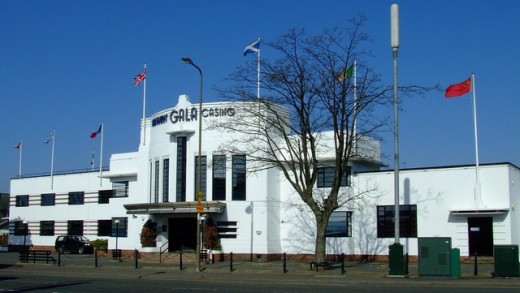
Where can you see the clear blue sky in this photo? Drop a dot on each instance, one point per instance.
(69, 65)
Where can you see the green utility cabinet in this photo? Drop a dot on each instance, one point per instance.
(396, 262)
(506, 261)
(434, 256)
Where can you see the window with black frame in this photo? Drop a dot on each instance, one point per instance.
(104, 228)
(219, 177)
(238, 168)
(119, 227)
(47, 228)
(104, 196)
(340, 224)
(166, 181)
(407, 221)
(120, 189)
(22, 200)
(48, 199)
(75, 227)
(326, 177)
(76, 198)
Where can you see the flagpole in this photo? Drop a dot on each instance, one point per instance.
(355, 106)
(20, 160)
(478, 200)
(144, 108)
(52, 158)
(258, 75)
(101, 154)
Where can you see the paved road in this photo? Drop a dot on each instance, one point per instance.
(78, 274)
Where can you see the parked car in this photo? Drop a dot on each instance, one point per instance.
(73, 243)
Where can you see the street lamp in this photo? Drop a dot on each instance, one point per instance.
(117, 236)
(396, 261)
(187, 60)
(25, 232)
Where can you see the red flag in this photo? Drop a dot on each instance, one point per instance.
(139, 78)
(95, 133)
(458, 89)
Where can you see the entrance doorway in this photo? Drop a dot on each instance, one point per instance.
(182, 234)
(480, 236)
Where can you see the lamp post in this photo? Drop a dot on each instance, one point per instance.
(187, 60)
(25, 232)
(396, 261)
(117, 236)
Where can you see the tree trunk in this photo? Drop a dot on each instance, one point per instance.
(319, 251)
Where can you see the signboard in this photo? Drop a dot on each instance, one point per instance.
(199, 208)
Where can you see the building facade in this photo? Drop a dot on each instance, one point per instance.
(257, 213)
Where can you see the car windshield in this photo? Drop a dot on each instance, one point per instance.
(83, 238)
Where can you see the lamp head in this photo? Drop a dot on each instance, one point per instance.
(187, 60)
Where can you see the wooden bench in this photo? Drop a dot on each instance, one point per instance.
(316, 265)
(117, 254)
(36, 255)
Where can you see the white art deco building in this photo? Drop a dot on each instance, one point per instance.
(258, 212)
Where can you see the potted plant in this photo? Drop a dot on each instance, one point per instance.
(211, 241)
(148, 234)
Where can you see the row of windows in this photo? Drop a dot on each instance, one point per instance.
(113, 227)
(119, 189)
(340, 222)
(238, 165)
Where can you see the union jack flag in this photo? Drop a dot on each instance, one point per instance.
(139, 78)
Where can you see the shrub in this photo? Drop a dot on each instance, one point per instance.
(148, 234)
(100, 244)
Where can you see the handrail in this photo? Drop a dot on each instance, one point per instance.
(162, 250)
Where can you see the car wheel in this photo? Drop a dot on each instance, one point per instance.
(81, 250)
(61, 249)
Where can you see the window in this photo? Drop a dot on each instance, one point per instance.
(120, 189)
(239, 177)
(326, 177)
(156, 182)
(22, 200)
(166, 180)
(407, 221)
(21, 228)
(203, 178)
(76, 198)
(181, 169)
(47, 228)
(219, 177)
(48, 199)
(104, 196)
(119, 227)
(340, 224)
(104, 228)
(75, 228)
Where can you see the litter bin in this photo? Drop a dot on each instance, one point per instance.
(455, 263)
(396, 260)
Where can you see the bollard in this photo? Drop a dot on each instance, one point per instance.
(231, 262)
(136, 257)
(284, 262)
(59, 258)
(475, 270)
(406, 264)
(95, 258)
(180, 262)
(342, 263)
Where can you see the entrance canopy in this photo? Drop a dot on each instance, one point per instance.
(174, 207)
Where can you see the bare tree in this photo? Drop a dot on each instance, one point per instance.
(307, 116)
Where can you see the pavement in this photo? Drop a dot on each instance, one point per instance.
(271, 271)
